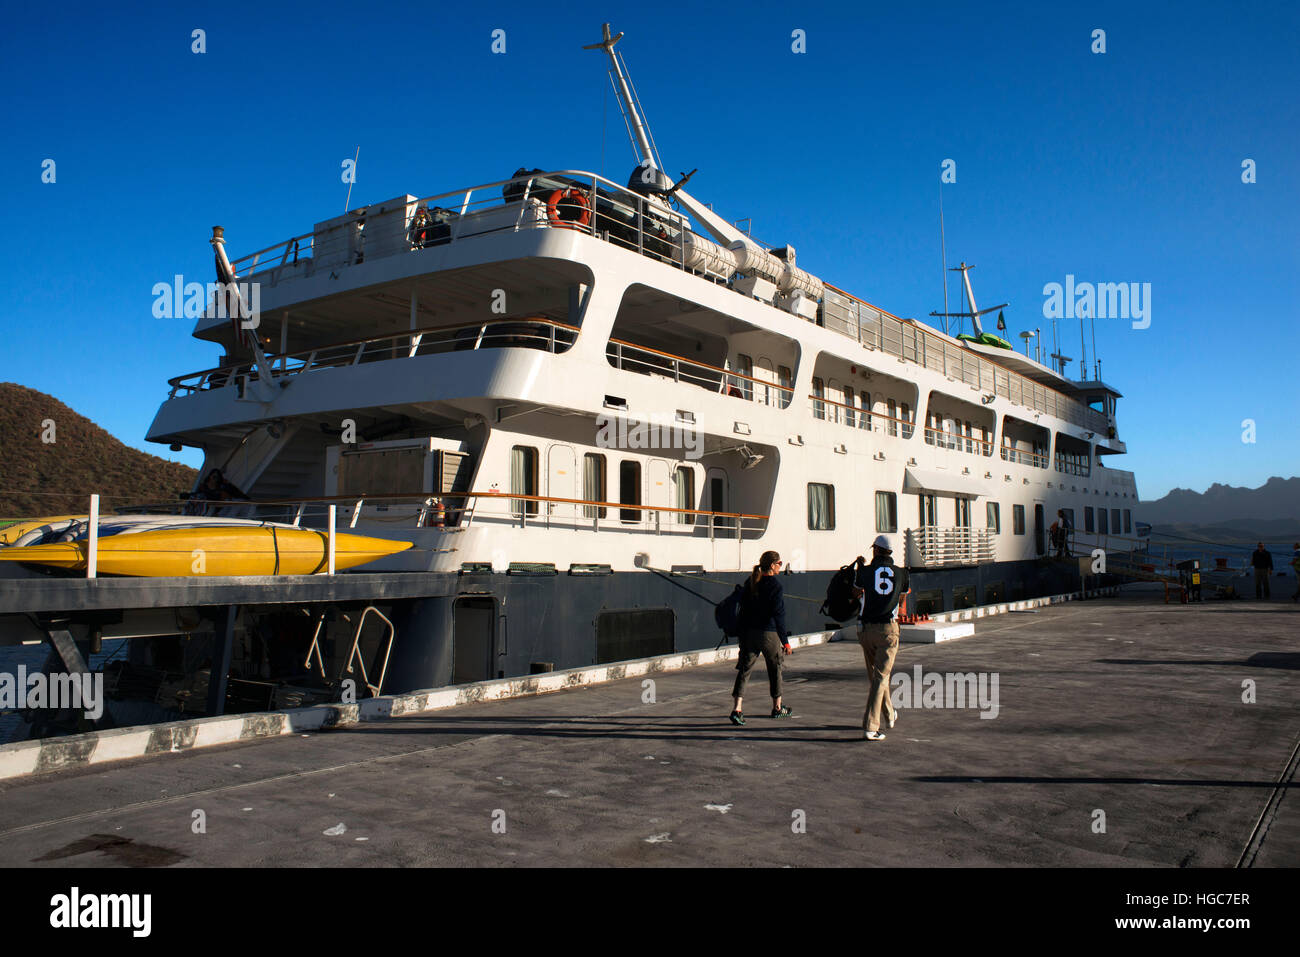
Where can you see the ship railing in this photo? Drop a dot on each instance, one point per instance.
(646, 361)
(933, 546)
(857, 417)
(1067, 467)
(605, 210)
(457, 511)
(627, 219)
(907, 339)
(957, 442)
(1023, 457)
(528, 332)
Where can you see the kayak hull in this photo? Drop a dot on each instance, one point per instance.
(202, 552)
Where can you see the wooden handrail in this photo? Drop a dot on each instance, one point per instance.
(403, 334)
(419, 497)
(701, 365)
(958, 435)
(861, 411)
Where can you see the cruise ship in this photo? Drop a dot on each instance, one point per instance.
(589, 406)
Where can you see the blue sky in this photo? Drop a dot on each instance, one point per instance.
(1115, 167)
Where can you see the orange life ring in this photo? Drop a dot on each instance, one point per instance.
(568, 198)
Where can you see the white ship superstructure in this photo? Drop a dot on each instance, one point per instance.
(484, 355)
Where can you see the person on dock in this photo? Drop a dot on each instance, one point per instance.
(763, 632)
(1262, 559)
(1295, 566)
(1063, 533)
(880, 584)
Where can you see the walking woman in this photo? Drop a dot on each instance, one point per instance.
(763, 632)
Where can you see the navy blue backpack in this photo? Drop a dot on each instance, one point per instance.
(727, 612)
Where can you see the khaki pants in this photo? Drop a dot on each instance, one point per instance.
(879, 648)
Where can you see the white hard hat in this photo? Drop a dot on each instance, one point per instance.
(882, 542)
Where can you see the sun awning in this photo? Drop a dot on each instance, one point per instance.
(939, 483)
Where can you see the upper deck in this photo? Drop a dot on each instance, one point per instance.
(330, 277)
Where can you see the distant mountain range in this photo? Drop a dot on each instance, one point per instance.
(41, 477)
(1226, 513)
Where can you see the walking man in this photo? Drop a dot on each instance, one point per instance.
(880, 584)
(1262, 559)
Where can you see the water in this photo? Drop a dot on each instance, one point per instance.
(12, 726)
(1238, 556)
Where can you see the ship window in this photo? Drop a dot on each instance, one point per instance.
(905, 413)
(1114, 521)
(1097, 403)
(593, 484)
(1018, 519)
(745, 366)
(1088, 525)
(993, 516)
(767, 375)
(523, 479)
(1128, 522)
(1069, 517)
(864, 420)
(891, 410)
(929, 515)
(629, 490)
(1102, 522)
(819, 390)
(685, 488)
(850, 418)
(821, 506)
(886, 512)
(785, 378)
(962, 512)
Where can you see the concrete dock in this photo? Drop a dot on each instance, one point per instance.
(1121, 738)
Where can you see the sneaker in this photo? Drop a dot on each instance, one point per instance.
(872, 736)
(781, 712)
(737, 718)
(892, 721)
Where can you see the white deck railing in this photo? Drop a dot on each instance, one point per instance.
(933, 546)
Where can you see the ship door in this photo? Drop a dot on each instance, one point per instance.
(473, 639)
(1040, 539)
(718, 501)
(659, 492)
(561, 482)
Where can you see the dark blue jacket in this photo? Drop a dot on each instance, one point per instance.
(763, 607)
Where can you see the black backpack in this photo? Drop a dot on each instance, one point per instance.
(727, 612)
(840, 605)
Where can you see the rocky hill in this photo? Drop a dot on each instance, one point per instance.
(42, 477)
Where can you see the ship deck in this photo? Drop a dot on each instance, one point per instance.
(42, 595)
(1126, 706)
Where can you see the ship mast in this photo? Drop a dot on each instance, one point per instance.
(636, 126)
(722, 230)
(974, 314)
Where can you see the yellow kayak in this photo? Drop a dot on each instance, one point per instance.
(218, 550)
(11, 533)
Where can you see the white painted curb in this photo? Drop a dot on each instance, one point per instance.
(25, 758)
